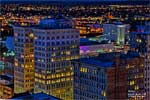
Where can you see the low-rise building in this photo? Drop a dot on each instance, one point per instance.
(90, 48)
(6, 87)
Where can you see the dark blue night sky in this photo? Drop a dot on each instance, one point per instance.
(68, 0)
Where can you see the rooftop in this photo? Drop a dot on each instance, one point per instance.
(116, 23)
(55, 23)
(58, 22)
(141, 33)
(6, 80)
(93, 61)
(107, 59)
(85, 41)
(130, 55)
(112, 55)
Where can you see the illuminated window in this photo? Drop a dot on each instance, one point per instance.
(68, 52)
(141, 75)
(62, 74)
(136, 87)
(83, 70)
(103, 93)
(22, 65)
(132, 82)
(139, 40)
(67, 79)
(54, 54)
(63, 79)
(142, 65)
(68, 74)
(52, 60)
(16, 64)
(58, 75)
(31, 35)
(68, 58)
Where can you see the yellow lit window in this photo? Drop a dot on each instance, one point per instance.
(83, 69)
(22, 65)
(68, 52)
(31, 35)
(58, 81)
(62, 74)
(142, 65)
(136, 87)
(52, 60)
(132, 82)
(68, 58)
(67, 79)
(139, 40)
(53, 76)
(63, 79)
(16, 64)
(57, 75)
(141, 75)
(103, 93)
(68, 74)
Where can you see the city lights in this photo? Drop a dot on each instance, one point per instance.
(75, 50)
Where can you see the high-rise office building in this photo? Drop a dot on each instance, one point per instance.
(116, 32)
(43, 54)
(56, 43)
(24, 59)
(111, 76)
(90, 79)
(134, 64)
(140, 41)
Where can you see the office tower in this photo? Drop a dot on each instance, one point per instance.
(111, 76)
(90, 79)
(140, 41)
(56, 43)
(116, 32)
(121, 29)
(24, 59)
(134, 64)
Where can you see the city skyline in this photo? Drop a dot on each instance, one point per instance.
(75, 50)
